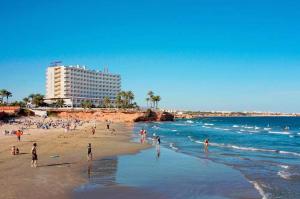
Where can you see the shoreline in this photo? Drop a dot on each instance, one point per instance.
(62, 156)
(172, 175)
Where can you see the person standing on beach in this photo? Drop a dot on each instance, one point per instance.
(34, 155)
(93, 130)
(107, 124)
(90, 155)
(19, 133)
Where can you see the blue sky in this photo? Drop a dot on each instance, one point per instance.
(197, 54)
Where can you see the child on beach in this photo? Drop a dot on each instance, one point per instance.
(18, 134)
(13, 150)
(90, 155)
(34, 155)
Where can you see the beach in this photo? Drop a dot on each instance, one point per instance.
(240, 162)
(61, 158)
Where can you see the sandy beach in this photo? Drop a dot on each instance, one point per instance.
(61, 158)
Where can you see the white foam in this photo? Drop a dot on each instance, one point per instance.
(172, 146)
(280, 133)
(190, 138)
(248, 148)
(290, 153)
(189, 121)
(284, 166)
(208, 124)
(284, 174)
(267, 129)
(260, 190)
(235, 126)
(174, 130)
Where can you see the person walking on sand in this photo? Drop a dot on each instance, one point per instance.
(90, 155)
(34, 155)
(19, 133)
(93, 130)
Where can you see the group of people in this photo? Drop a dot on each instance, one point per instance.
(67, 125)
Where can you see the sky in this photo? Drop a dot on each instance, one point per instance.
(228, 55)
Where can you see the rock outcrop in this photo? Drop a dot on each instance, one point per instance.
(115, 115)
(151, 116)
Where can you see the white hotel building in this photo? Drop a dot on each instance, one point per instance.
(76, 84)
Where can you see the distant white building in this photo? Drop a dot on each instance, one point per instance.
(76, 84)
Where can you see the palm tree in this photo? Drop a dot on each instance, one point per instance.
(130, 97)
(26, 100)
(7, 95)
(37, 99)
(2, 94)
(106, 102)
(147, 100)
(151, 95)
(119, 101)
(86, 104)
(60, 102)
(152, 99)
(31, 96)
(157, 99)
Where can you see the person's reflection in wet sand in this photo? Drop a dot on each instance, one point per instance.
(157, 151)
(89, 169)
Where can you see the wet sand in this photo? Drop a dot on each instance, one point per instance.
(62, 156)
(171, 175)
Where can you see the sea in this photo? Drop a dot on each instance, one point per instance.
(265, 150)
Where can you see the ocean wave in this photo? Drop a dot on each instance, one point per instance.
(280, 132)
(283, 166)
(267, 129)
(248, 148)
(254, 131)
(190, 122)
(208, 124)
(190, 138)
(235, 126)
(207, 127)
(174, 130)
(291, 136)
(172, 146)
(260, 190)
(290, 153)
(284, 174)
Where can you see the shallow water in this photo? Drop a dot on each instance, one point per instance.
(266, 150)
(169, 175)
